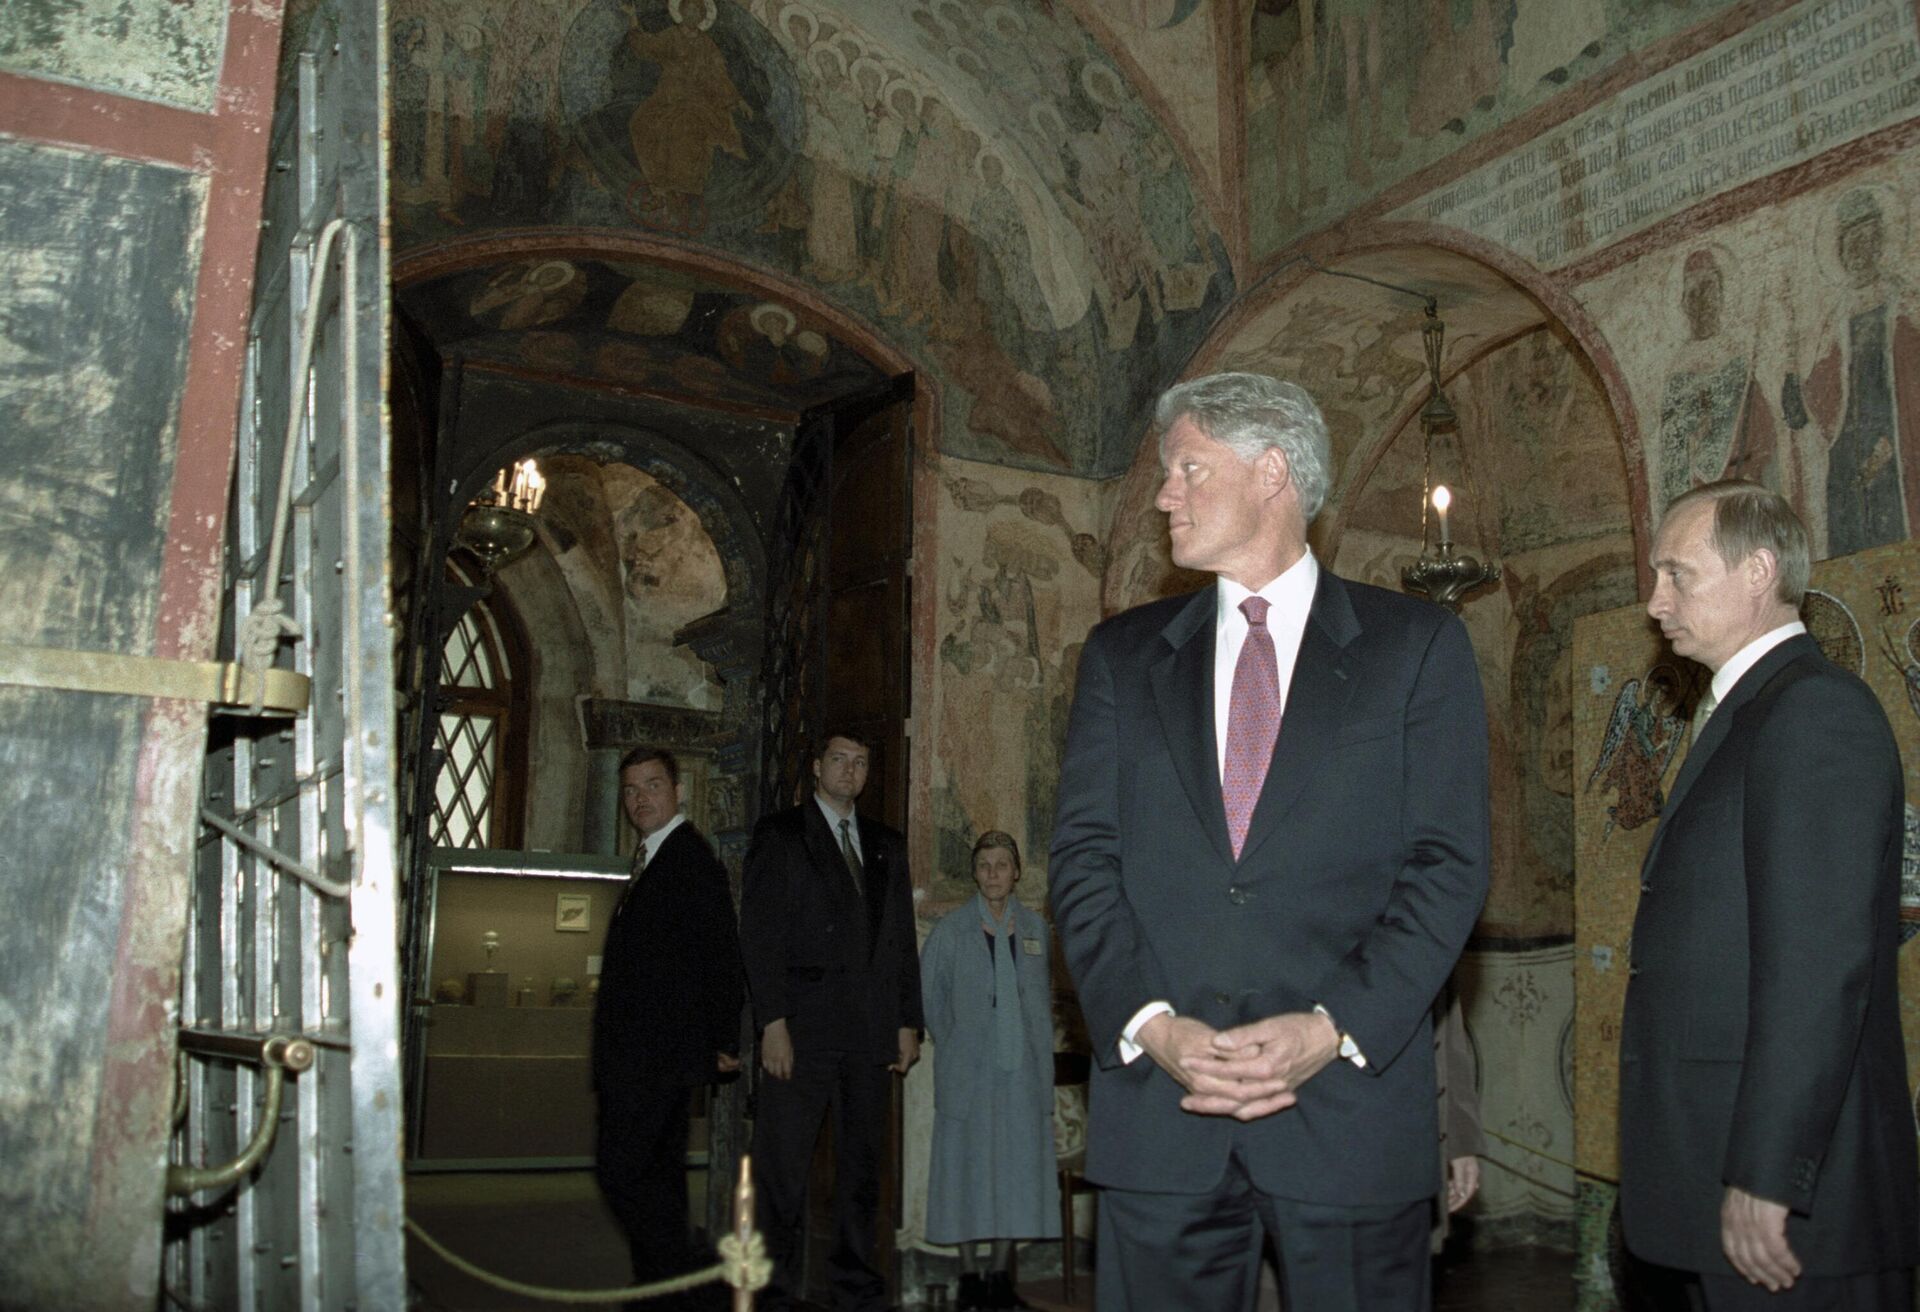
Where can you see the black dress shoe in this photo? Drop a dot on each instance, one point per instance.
(973, 1293)
(1001, 1293)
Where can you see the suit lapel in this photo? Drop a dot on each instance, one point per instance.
(1182, 681)
(1719, 724)
(823, 846)
(875, 884)
(1316, 703)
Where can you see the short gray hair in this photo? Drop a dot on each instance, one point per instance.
(1252, 413)
(1749, 518)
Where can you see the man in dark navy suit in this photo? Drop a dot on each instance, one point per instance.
(1766, 1141)
(666, 1020)
(826, 925)
(1271, 847)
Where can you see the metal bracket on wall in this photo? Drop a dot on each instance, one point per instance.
(280, 1055)
(221, 683)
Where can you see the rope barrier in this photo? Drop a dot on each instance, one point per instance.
(743, 1264)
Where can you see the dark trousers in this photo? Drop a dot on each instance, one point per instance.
(1201, 1252)
(854, 1088)
(640, 1161)
(1874, 1291)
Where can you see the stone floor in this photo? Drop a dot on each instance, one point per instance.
(1510, 1280)
(551, 1229)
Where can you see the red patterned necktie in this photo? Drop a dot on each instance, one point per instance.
(1253, 722)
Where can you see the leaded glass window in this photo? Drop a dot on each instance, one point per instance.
(475, 695)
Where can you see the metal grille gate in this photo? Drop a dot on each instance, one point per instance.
(294, 914)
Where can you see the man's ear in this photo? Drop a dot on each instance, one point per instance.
(1275, 473)
(1763, 571)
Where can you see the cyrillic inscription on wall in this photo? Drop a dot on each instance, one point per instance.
(1812, 77)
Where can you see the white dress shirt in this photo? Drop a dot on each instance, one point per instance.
(1748, 656)
(650, 843)
(1289, 598)
(833, 822)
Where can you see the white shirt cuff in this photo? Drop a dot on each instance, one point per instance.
(1129, 1050)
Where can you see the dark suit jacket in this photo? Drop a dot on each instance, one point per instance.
(1361, 877)
(843, 972)
(670, 981)
(1761, 1046)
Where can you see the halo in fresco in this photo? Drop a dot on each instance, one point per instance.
(1832, 626)
(629, 66)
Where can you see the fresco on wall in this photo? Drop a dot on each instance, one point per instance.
(979, 182)
(1855, 412)
(1867, 593)
(1179, 41)
(1346, 97)
(1747, 97)
(1714, 419)
(640, 565)
(642, 326)
(1541, 487)
(1784, 350)
(1019, 585)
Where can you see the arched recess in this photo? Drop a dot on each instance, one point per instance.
(429, 262)
(675, 466)
(1357, 348)
(425, 265)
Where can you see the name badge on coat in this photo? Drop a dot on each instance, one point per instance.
(1030, 946)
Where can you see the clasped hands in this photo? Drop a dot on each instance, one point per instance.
(1246, 1072)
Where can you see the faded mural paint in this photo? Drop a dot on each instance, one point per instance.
(1019, 588)
(1346, 97)
(642, 326)
(1783, 347)
(1542, 490)
(1028, 231)
(165, 52)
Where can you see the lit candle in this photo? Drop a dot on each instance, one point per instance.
(1441, 500)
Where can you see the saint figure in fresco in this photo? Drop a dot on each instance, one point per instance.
(1714, 421)
(693, 92)
(1855, 409)
(1283, 51)
(1642, 733)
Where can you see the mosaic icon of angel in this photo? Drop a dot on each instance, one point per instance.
(1643, 731)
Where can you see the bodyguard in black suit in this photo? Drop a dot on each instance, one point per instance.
(1271, 847)
(826, 924)
(1766, 1140)
(667, 1018)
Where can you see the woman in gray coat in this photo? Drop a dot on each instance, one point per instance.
(984, 977)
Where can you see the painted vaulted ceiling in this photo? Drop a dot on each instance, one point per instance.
(982, 187)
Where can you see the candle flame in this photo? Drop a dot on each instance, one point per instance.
(1442, 498)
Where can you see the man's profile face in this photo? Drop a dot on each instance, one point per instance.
(1705, 608)
(648, 795)
(840, 772)
(1215, 504)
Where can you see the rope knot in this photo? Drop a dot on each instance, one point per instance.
(745, 1266)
